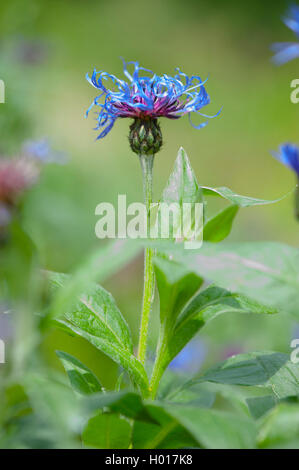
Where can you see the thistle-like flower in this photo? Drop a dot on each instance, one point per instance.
(286, 51)
(289, 155)
(145, 98)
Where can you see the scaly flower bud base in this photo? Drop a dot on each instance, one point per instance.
(145, 136)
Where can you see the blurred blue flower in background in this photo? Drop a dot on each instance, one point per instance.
(146, 96)
(42, 151)
(286, 51)
(289, 155)
(191, 358)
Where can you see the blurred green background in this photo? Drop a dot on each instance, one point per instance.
(47, 47)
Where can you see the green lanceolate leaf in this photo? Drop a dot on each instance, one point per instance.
(237, 199)
(171, 425)
(82, 379)
(195, 394)
(176, 286)
(107, 431)
(124, 357)
(97, 318)
(101, 264)
(183, 194)
(182, 185)
(128, 404)
(246, 369)
(285, 383)
(182, 425)
(266, 271)
(259, 406)
(215, 429)
(280, 428)
(164, 432)
(219, 227)
(99, 313)
(204, 307)
(169, 435)
(270, 370)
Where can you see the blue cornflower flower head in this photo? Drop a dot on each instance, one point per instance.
(145, 97)
(289, 155)
(42, 151)
(286, 51)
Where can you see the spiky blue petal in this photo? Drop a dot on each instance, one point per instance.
(286, 51)
(289, 155)
(144, 95)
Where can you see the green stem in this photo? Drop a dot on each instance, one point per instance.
(146, 162)
(153, 444)
(159, 367)
(25, 338)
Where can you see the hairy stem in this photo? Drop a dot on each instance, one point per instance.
(146, 162)
(159, 366)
